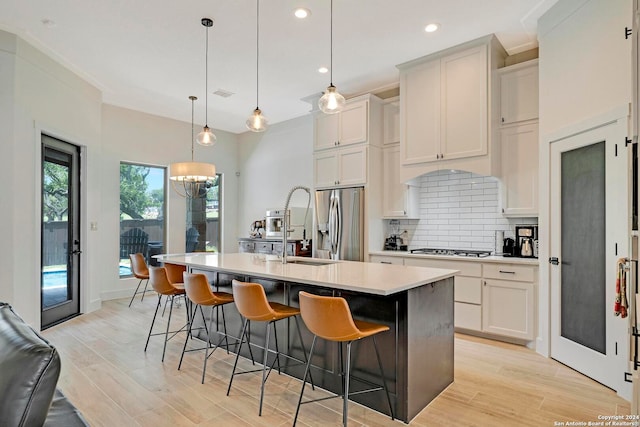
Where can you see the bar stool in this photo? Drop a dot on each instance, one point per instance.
(160, 283)
(140, 271)
(174, 275)
(252, 303)
(330, 319)
(199, 293)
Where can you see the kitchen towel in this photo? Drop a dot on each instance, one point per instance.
(620, 306)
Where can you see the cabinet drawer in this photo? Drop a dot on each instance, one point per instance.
(263, 247)
(386, 259)
(468, 268)
(246, 246)
(468, 316)
(520, 273)
(468, 289)
(277, 249)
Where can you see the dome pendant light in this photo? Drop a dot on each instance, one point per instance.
(331, 102)
(192, 179)
(257, 122)
(206, 137)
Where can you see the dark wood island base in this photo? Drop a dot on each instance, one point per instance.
(417, 351)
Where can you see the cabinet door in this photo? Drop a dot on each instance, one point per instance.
(354, 123)
(507, 308)
(326, 127)
(352, 166)
(420, 113)
(464, 127)
(391, 113)
(519, 94)
(520, 170)
(394, 192)
(325, 167)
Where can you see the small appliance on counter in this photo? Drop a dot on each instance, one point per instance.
(509, 247)
(274, 220)
(396, 241)
(392, 243)
(526, 241)
(256, 230)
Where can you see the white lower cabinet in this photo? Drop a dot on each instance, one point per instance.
(386, 259)
(507, 308)
(489, 297)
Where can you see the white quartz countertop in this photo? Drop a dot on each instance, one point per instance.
(372, 278)
(491, 258)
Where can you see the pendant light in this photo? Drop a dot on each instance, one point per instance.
(192, 179)
(331, 102)
(206, 137)
(257, 122)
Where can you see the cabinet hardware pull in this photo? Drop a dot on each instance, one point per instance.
(385, 262)
(507, 272)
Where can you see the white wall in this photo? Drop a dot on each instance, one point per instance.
(459, 210)
(47, 98)
(585, 71)
(270, 164)
(138, 137)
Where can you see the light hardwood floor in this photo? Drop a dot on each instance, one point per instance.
(114, 383)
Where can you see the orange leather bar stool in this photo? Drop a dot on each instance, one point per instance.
(252, 303)
(200, 294)
(140, 271)
(330, 319)
(174, 274)
(160, 283)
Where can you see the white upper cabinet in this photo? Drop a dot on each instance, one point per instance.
(519, 92)
(448, 101)
(347, 127)
(520, 170)
(391, 122)
(341, 167)
(399, 200)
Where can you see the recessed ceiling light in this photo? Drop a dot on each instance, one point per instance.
(302, 13)
(323, 70)
(430, 28)
(49, 23)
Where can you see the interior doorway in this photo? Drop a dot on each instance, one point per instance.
(60, 226)
(589, 226)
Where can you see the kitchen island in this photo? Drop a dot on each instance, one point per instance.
(415, 302)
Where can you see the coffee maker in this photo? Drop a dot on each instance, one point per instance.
(526, 241)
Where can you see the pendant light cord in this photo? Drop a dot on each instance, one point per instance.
(331, 44)
(257, 51)
(206, 80)
(192, 98)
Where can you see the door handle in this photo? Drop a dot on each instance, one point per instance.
(76, 252)
(554, 260)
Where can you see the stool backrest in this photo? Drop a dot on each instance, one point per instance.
(251, 301)
(328, 317)
(197, 288)
(160, 282)
(174, 272)
(139, 266)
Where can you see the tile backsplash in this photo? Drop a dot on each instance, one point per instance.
(459, 210)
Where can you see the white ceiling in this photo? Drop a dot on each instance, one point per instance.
(149, 55)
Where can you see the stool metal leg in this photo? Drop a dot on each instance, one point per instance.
(345, 406)
(143, 292)
(206, 349)
(153, 321)
(264, 368)
(184, 347)
(136, 291)
(384, 379)
(307, 370)
(275, 335)
(304, 352)
(166, 335)
(235, 364)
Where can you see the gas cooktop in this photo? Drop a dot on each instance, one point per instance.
(456, 252)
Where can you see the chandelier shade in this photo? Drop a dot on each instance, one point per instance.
(257, 122)
(192, 179)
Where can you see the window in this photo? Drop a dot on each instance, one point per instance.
(142, 213)
(203, 220)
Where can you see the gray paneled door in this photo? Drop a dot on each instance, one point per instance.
(60, 261)
(588, 232)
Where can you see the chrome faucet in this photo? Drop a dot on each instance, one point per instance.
(285, 226)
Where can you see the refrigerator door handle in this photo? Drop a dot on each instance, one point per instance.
(338, 225)
(333, 225)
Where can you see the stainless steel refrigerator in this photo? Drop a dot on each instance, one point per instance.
(340, 224)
